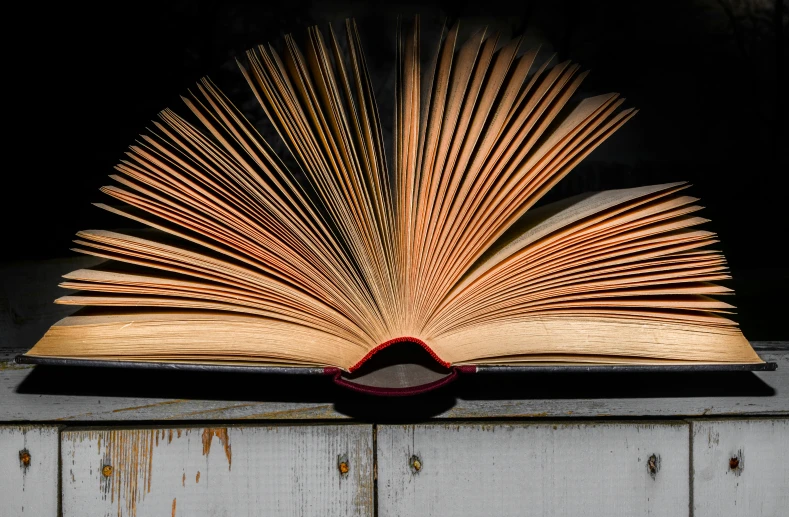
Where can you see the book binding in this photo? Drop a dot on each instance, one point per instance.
(398, 382)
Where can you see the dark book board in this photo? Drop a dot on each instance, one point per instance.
(402, 379)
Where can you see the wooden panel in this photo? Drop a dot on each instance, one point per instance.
(594, 469)
(232, 471)
(741, 468)
(40, 394)
(28, 471)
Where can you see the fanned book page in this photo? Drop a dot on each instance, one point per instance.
(247, 260)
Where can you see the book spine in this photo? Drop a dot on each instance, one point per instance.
(404, 339)
(337, 377)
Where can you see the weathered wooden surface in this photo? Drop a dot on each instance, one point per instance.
(28, 471)
(741, 467)
(49, 394)
(228, 471)
(594, 469)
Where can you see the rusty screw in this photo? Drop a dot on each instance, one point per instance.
(734, 462)
(652, 464)
(342, 464)
(24, 457)
(106, 471)
(416, 463)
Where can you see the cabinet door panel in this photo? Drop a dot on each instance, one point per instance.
(741, 467)
(28, 471)
(588, 469)
(233, 471)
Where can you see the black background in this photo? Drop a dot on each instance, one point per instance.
(708, 76)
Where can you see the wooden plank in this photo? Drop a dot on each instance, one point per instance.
(99, 395)
(740, 467)
(28, 471)
(235, 471)
(589, 469)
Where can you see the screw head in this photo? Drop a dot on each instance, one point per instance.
(734, 462)
(106, 471)
(653, 465)
(416, 463)
(342, 464)
(24, 457)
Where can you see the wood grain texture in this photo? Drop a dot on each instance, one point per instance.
(591, 469)
(228, 471)
(28, 471)
(741, 468)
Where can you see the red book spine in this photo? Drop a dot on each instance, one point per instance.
(337, 373)
(400, 340)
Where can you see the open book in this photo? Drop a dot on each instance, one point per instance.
(326, 261)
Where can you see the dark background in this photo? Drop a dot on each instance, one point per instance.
(708, 75)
